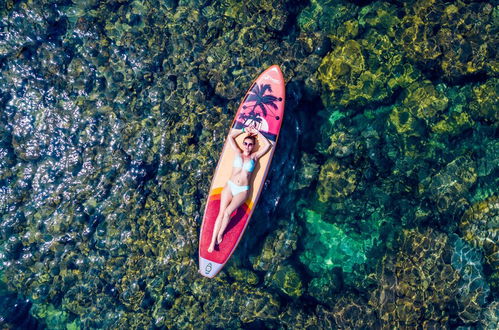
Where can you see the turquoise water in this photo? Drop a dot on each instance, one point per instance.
(381, 205)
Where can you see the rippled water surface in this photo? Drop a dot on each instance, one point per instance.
(381, 208)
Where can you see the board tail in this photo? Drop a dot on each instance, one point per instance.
(209, 268)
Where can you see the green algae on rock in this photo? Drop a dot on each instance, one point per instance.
(278, 246)
(479, 226)
(335, 181)
(287, 279)
(490, 316)
(324, 15)
(473, 290)
(416, 283)
(414, 289)
(369, 68)
(306, 173)
(428, 34)
(448, 187)
(484, 103)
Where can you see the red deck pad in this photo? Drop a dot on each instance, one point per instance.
(239, 219)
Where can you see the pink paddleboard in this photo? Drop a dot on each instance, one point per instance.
(263, 107)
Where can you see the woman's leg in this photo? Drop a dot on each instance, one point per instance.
(237, 201)
(225, 199)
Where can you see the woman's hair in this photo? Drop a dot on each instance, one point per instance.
(251, 137)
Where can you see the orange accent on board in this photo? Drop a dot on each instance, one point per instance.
(217, 193)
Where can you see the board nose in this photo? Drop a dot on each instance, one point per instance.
(276, 68)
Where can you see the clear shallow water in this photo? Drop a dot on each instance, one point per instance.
(381, 204)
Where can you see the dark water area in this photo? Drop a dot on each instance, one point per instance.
(380, 210)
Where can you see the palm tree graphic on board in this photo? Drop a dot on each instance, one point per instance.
(263, 102)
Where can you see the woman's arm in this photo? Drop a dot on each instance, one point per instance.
(266, 143)
(232, 139)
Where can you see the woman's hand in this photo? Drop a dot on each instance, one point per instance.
(252, 130)
(235, 132)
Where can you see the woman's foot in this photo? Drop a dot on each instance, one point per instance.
(219, 239)
(211, 247)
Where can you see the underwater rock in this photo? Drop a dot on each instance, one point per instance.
(424, 101)
(366, 69)
(349, 311)
(294, 317)
(51, 316)
(186, 311)
(342, 145)
(27, 25)
(487, 164)
(325, 16)
(239, 302)
(15, 313)
(490, 316)
(242, 275)
(453, 124)
(335, 181)
(416, 283)
(288, 280)
(484, 103)
(352, 311)
(479, 227)
(307, 172)
(278, 246)
(330, 245)
(448, 187)
(382, 16)
(113, 114)
(430, 38)
(473, 290)
(326, 285)
(406, 123)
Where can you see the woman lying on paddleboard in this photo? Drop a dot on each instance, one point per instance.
(236, 191)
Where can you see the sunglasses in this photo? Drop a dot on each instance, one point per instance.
(247, 144)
